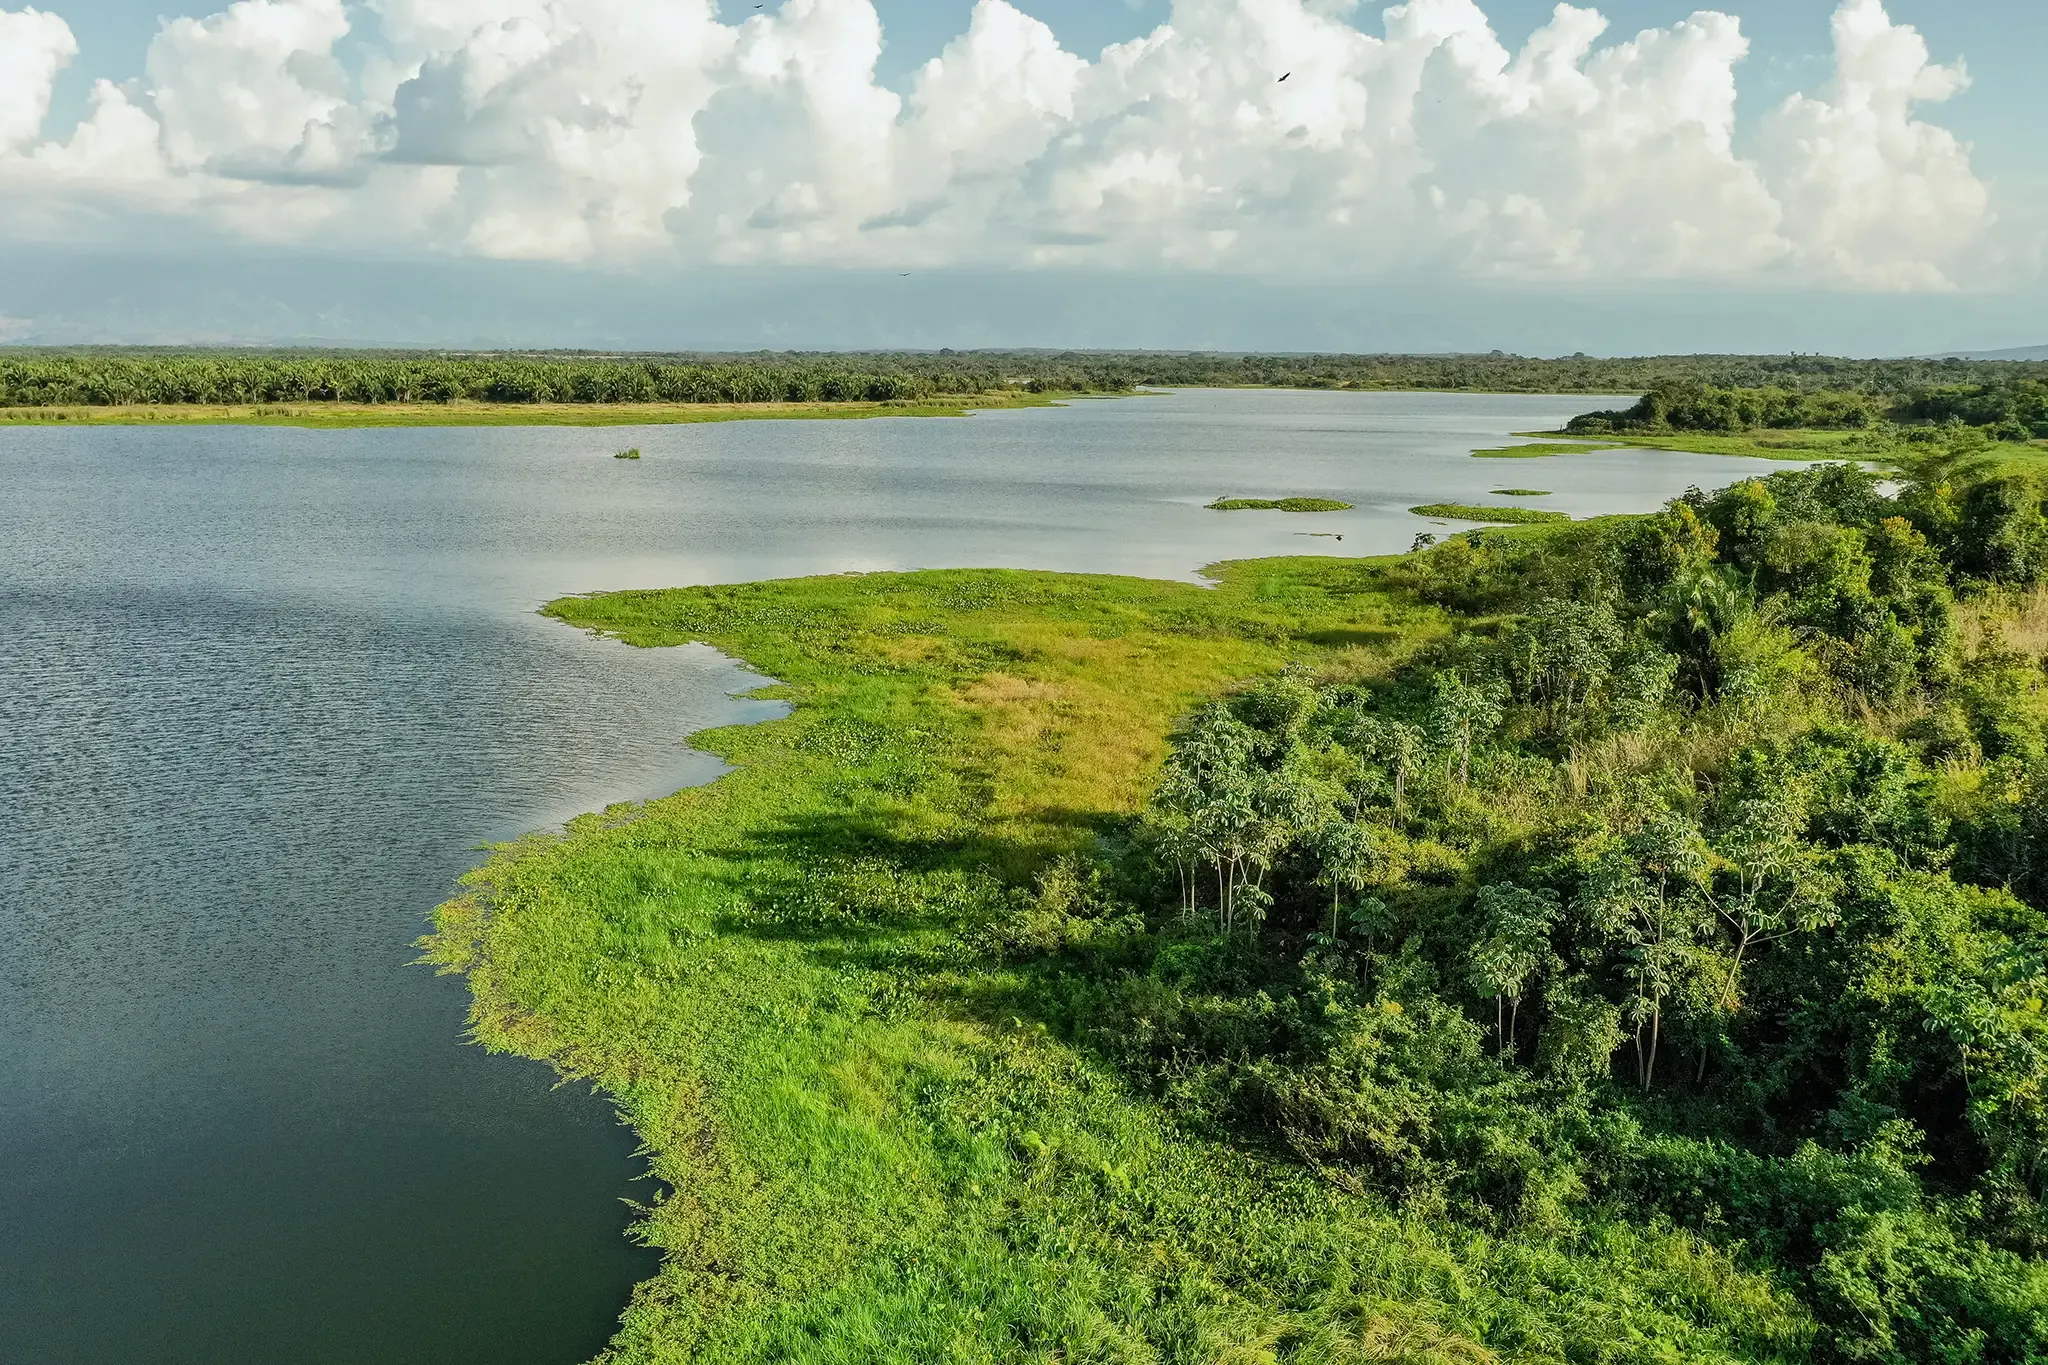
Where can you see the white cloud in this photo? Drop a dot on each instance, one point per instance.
(34, 47)
(629, 129)
(1872, 194)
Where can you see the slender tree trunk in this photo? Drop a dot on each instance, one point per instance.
(1656, 1027)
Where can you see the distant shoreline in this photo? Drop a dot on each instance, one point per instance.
(318, 415)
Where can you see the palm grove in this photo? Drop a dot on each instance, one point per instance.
(1698, 884)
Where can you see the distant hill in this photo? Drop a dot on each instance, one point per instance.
(2014, 353)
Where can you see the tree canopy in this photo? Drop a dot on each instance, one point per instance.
(1704, 888)
(101, 377)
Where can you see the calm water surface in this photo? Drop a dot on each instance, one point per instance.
(262, 693)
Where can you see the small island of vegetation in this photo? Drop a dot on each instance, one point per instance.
(1462, 511)
(1619, 941)
(1521, 493)
(1279, 505)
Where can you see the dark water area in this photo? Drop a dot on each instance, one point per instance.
(263, 692)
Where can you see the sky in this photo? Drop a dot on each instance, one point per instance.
(1859, 176)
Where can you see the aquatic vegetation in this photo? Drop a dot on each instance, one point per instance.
(1459, 511)
(1538, 450)
(630, 453)
(1521, 493)
(1279, 505)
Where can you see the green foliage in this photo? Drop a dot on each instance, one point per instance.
(104, 377)
(1702, 407)
(1459, 511)
(1521, 492)
(1617, 941)
(1704, 889)
(2005, 407)
(1279, 505)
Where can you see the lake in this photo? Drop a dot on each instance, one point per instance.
(264, 691)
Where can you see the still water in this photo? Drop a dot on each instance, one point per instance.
(264, 691)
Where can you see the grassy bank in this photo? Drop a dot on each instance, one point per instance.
(348, 415)
(818, 994)
(1801, 446)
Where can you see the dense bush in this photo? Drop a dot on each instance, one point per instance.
(2006, 408)
(1706, 891)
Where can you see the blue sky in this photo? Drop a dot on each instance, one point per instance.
(723, 154)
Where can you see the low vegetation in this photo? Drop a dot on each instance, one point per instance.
(1539, 450)
(1521, 493)
(1462, 511)
(630, 453)
(1279, 505)
(1617, 941)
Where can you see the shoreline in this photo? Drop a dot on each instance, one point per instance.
(352, 416)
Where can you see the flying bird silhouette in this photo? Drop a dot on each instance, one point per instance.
(1283, 78)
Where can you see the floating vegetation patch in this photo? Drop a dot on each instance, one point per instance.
(1459, 511)
(1542, 450)
(1520, 493)
(1279, 505)
(631, 453)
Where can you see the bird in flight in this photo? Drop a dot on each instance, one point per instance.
(1275, 82)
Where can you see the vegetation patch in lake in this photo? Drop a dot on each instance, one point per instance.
(630, 453)
(1541, 450)
(1520, 493)
(1460, 511)
(1279, 505)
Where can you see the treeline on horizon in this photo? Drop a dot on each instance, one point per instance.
(102, 378)
(2011, 407)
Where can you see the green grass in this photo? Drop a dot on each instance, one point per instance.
(1521, 493)
(1799, 446)
(350, 415)
(1279, 505)
(1460, 511)
(630, 453)
(1543, 449)
(792, 983)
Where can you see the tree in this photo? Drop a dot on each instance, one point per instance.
(1516, 942)
(1460, 715)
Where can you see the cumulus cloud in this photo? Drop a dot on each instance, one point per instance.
(620, 130)
(34, 47)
